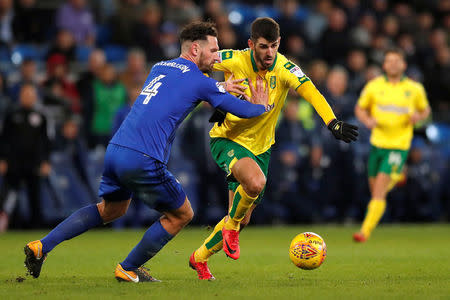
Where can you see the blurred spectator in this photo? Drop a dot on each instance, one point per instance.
(362, 34)
(334, 43)
(64, 45)
(28, 74)
(147, 33)
(337, 94)
(421, 185)
(24, 152)
(124, 21)
(390, 29)
(424, 23)
(317, 72)
(356, 65)
(30, 23)
(405, 16)
(57, 70)
(4, 99)
(227, 38)
(132, 93)
(69, 141)
(296, 48)
(108, 95)
(371, 72)
(135, 71)
(406, 42)
(353, 10)
(317, 20)
(290, 20)
(181, 12)
(437, 84)
(380, 8)
(169, 40)
(6, 22)
(75, 17)
(379, 45)
(213, 8)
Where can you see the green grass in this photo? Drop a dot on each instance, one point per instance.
(399, 262)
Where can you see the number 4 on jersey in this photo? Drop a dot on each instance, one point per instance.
(152, 88)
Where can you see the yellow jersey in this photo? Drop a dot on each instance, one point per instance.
(391, 105)
(258, 134)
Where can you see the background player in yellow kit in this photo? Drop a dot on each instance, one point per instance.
(242, 147)
(389, 105)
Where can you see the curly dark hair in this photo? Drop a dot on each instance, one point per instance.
(197, 31)
(266, 28)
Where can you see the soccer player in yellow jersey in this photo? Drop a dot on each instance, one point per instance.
(389, 105)
(242, 147)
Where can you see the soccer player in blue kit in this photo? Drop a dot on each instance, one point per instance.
(136, 157)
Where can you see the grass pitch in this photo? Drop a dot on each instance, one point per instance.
(399, 262)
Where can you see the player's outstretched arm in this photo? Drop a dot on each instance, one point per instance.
(215, 94)
(340, 130)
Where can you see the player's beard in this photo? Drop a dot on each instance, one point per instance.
(204, 65)
(261, 59)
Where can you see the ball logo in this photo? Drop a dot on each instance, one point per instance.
(304, 251)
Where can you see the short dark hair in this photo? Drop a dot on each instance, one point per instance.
(197, 31)
(266, 28)
(395, 50)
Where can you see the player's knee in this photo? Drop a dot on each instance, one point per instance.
(255, 185)
(186, 217)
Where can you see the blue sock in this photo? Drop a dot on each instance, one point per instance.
(80, 221)
(153, 240)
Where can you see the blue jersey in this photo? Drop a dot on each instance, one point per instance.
(171, 91)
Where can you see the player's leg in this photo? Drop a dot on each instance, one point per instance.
(166, 195)
(252, 181)
(377, 204)
(388, 162)
(79, 222)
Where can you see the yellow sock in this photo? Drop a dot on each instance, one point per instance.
(375, 211)
(241, 204)
(211, 245)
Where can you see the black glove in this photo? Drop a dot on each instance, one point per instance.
(343, 131)
(218, 116)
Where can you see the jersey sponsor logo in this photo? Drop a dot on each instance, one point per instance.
(227, 54)
(220, 87)
(393, 108)
(172, 64)
(273, 82)
(297, 71)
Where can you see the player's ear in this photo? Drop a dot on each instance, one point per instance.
(251, 45)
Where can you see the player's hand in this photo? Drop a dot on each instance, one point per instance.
(234, 86)
(343, 131)
(3, 167)
(415, 117)
(370, 123)
(260, 94)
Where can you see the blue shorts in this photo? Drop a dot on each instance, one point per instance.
(129, 173)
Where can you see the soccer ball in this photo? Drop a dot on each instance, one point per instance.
(308, 250)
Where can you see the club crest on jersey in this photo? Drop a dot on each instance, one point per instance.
(227, 54)
(407, 94)
(231, 153)
(273, 82)
(220, 87)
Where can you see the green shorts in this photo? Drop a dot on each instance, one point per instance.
(226, 153)
(389, 161)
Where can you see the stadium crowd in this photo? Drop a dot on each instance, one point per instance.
(88, 60)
